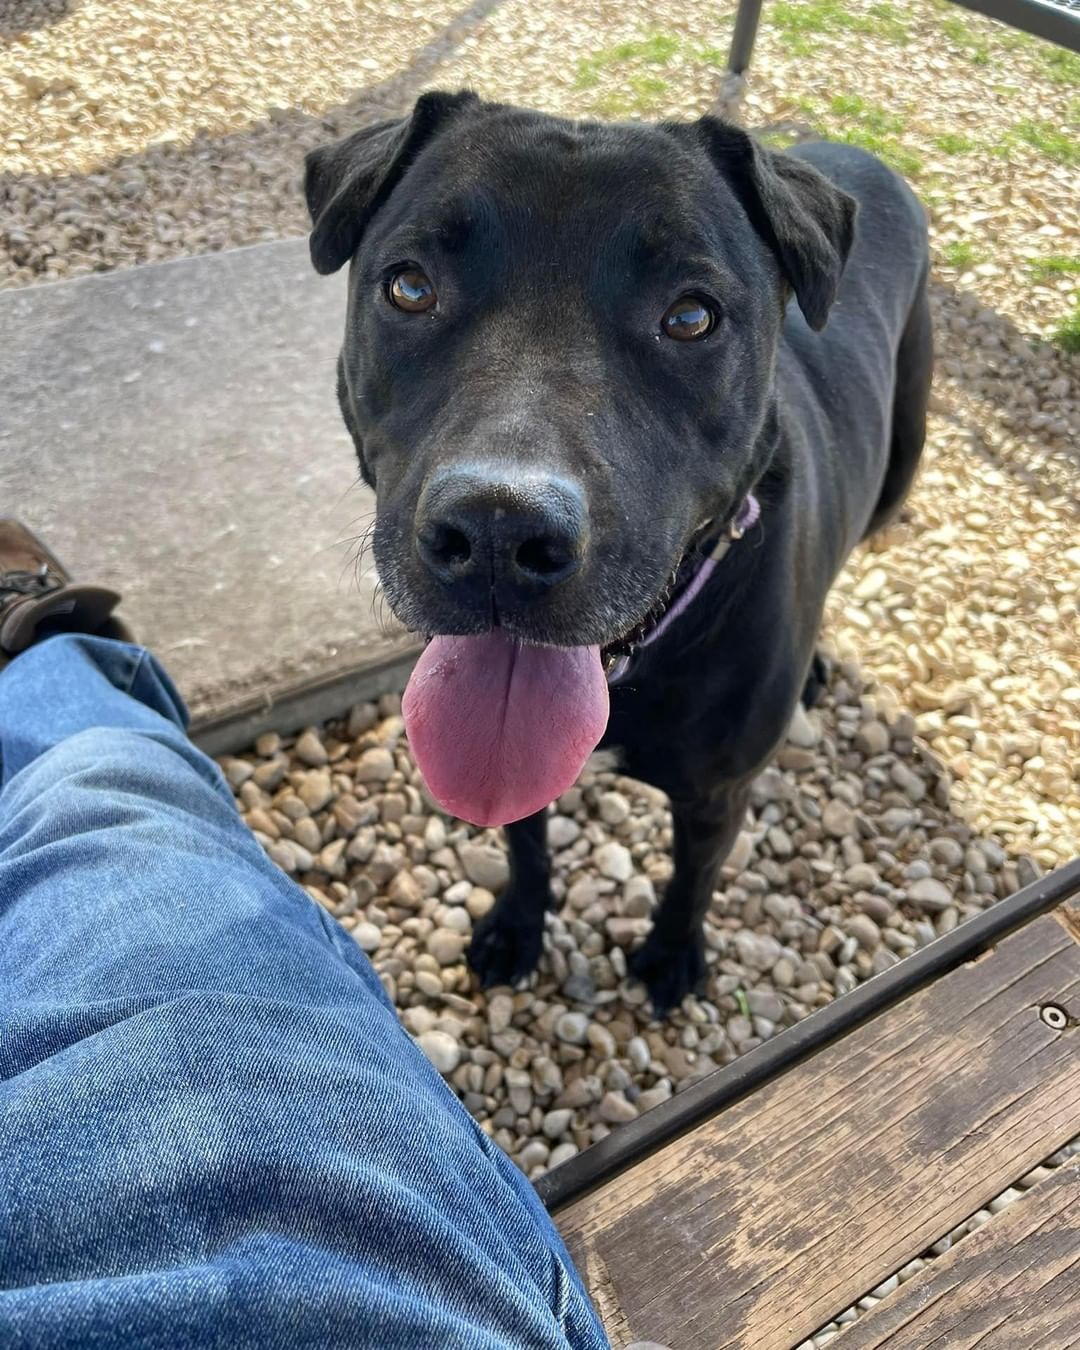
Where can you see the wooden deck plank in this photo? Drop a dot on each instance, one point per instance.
(760, 1225)
(1014, 1282)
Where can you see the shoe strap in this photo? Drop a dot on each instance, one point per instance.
(16, 585)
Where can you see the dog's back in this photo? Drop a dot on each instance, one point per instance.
(855, 394)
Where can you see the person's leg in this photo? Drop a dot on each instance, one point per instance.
(213, 1130)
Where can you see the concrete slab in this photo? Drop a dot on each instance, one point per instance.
(172, 431)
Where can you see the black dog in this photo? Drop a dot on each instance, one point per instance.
(570, 367)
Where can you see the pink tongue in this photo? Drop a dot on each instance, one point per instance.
(498, 729)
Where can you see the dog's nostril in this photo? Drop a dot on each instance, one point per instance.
(541, 557)
(450, 546)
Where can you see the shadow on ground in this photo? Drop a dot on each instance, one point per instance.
(994, 372)
(216, 192)
(27, 16)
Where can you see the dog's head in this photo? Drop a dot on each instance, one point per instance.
(559, 350)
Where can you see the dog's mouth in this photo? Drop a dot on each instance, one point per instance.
(623, 648)
(682, 583)
(500, 727)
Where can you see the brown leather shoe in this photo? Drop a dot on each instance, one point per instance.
(37, 596)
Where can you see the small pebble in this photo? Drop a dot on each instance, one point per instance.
(375, 766)
(368, 938)
(838, 819)
(441, 1049)
(446, 946)
(485, 865)
(614, 861)
(930, 894)
(310, 749)
(615, 1109)
(315, 790)
(572, 1027)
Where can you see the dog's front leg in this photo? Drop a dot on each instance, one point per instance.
(507, 941)
(671, 961)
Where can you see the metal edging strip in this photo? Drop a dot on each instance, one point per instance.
(304, 704)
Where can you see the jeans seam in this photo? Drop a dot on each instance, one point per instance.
(136, 668)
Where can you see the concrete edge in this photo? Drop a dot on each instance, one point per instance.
(304, 704)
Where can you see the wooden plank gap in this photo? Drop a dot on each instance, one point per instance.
(1012, 1283)
(760, 1225)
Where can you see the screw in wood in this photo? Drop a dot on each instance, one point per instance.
(1057, 1019)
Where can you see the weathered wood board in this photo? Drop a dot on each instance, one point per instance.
(763, 1223)
(1013, 1283)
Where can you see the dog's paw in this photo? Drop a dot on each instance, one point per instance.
(669, 970)
(503, 950)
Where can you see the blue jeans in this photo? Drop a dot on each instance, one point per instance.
(213, 1129)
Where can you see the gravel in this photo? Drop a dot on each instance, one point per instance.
(139, 132)
(941, 771)
(841, 870)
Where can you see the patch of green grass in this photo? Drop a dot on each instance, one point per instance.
(885, 20)
(1009, 40)
(897, 156)
(655, 49)
(797, 23)
(776, 140)
(871, 117)
(642, 96)
(961, 34)
(1042, 269)
(846, 105)
(798, 45)
(649, 86)
(620, 107)
(710, 56)
(1067, 334)
(587, 75)
(955, 29)
(875, 129)
(658, 48)
(954, 143)
(637, 67)
(820, 16)
(1062, 67)
(960, 255)
(1055, 144)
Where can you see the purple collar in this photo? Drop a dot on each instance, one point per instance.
(747, 516)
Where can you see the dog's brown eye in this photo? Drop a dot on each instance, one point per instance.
(411, 290)
(688, 319)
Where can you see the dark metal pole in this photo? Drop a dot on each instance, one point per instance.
(742, 42)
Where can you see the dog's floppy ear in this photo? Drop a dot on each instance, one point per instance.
(346, 183)
(807, 222)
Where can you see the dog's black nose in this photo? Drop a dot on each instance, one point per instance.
(489, 529)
